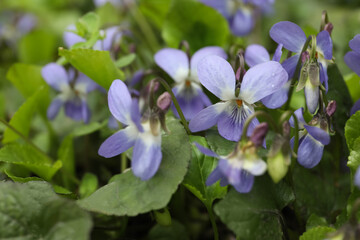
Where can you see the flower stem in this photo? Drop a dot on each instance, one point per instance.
(213, 221)
(123, 162)
(254, 115)
(297, 72)
(22, 136)
(177, 106)
(296, 134)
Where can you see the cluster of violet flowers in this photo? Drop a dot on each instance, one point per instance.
(267, 81)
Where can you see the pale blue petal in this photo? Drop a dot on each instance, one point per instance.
(355, 108)
(174, 62)
(290, 65)
(74, 109)
(355, 43)
(278, 53)
(207, 117)
(300, 117)
(324, 44)
(214, 176)
(311, 97)
(55, 75)
(289, 34)
(118, 143)
(262, 80)
(357, 177)
(278, 98)
(352, 59)
(146, 157)
(256, 54)
(246, 182)
(217, 75)
(242, 22)
(318, 134)
(205, 52)
(205, 150)
(119, 100)
(310, 152)
(71, 38)
(54, 108)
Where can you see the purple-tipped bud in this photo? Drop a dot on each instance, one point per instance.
(286, 128)
(259, 134)
(240, 73)
(305, 56)
(331, 108)
(164, 101)
(329, 27)
(152, 86)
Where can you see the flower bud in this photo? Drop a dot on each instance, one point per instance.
(314, 74)
(329, 27)
(164, 101)
(331, 108)
(259, 134)
(286, 129)
(279, 158)
(305, 56)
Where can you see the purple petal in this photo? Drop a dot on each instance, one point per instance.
(119, 142)
(220, 6)
(146, 156)
(290, 35)
(137, 77)
(278, 98)
(119, 100)
(112, 35)
(310, 152)
(256, 54)
(355, 108)
(174, 62)
(135, 115)
(112, 123)
(324, 77)
(299, 115)
(262, 80)
(85, 111)
(278, 53)
(75, 109)
(207, 117)
(217, 75)
(232, 173)
(205, 52)
(355, 43)
(223, 181)
(290, 65)
(84, 82)
(352, 59)
(324, 44)
(318, 134)
(54, 108)
(190, 101)
(71, 38)
(55, 75)
(214, 176)
(311, 96)
(206, 151)
(357, 177)
(242, 22)
(231, 122)
(246, 182)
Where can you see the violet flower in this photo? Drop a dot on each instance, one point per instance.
(230, 114)
(145, 137)
(357, 177)
(72, 94)
(240, 14)
(238, 168)
(256, 54)
(293, 38)
(187, 88)
(312, 139)
(352, 59)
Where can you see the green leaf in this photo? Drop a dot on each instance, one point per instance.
(26, 78)
(21, 120)
(354, 158)
(155, 10)
(128, 195)
(352, 130)
(199, 170)
(31, 159)
(315, 221)
(33, 211)
(21, 179)
(126, 60)
(256, 215)
(88, 185)
(219, 144)
(89, 128)
(317, 233)
(37, 47)
(176, 231)
(353, 82)
(97, 65)
(90, 22)
(196, 23)
(108, 14)
(66, 156)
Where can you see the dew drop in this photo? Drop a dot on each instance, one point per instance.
(272, 85)
(273, 74)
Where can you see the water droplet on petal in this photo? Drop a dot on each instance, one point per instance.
(273, 74)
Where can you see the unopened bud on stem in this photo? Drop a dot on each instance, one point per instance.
(331, 108)
(164, 101)
(259, 134)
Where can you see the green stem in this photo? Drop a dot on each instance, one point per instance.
(296, 134)
(177, 106)
(213, 221)
(22, 136)
(254, 115)
(123, 162)
(297, 72)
